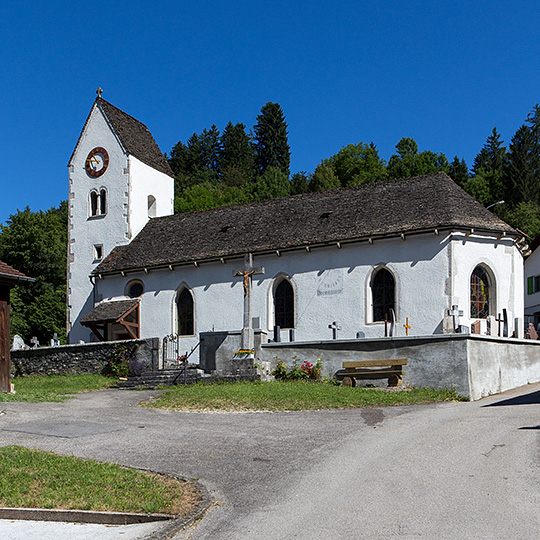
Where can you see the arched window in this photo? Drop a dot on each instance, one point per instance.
(185, 314)
(103, 202)
(152, 206)
(98, 202)
(94, 203)
(481, 288)
(284, 305)
(383, 295)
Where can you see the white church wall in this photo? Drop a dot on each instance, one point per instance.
(146, 181)
(505, 264)
(330, 284)
(85, 232)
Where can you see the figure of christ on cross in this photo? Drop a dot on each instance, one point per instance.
(246, 273)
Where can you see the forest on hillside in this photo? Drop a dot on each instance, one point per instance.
(235, 166)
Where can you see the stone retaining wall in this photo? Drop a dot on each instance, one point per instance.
(82, 358)
(474, 365)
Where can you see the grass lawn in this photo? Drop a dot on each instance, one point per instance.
(37, 388)
(37, 479)
(288, 396)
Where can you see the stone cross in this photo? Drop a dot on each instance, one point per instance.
(456, 314)
(334, 326)
(34, 341)
(246, 273)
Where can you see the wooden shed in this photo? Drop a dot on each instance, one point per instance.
(9, 277)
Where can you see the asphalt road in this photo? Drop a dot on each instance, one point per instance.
(436, 471)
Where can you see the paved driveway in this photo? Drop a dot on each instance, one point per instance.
(437, 471)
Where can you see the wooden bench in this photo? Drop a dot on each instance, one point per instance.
(373, 369)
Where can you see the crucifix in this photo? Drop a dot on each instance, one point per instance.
(456, 314)
(246, 273)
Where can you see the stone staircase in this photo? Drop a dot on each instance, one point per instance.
(167, 377)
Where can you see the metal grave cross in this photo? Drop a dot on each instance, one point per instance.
(246, 273)
(406, 326)
(456, 314)
(334, 326)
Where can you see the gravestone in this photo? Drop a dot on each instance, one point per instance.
(491, 324)
(518, 328)
(34, 341)
(476, 327)
(18, 343)
(55, 342)
(531, 332)
(451, 320)
(448, 324)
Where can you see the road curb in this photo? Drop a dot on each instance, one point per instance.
(172, 524)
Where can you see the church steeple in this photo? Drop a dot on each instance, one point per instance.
(119, 179)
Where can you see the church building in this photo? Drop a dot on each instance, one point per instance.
(355, 259)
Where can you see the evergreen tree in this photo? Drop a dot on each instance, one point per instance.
(490, 164)
(299, 183)
(522, 167)
(204, 151)
(459, 171)
(357, 164)
(236, 158)
(271, 140)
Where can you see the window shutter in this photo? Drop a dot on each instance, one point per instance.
(530, 285)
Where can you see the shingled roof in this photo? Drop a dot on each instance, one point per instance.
(134, 136)
(8, 274)
(109, 311)
(360, 212)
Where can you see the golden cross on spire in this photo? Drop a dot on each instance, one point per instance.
(99, 91)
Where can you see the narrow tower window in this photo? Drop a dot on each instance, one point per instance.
(152, 210)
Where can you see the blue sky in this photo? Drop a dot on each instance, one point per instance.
(444, 73)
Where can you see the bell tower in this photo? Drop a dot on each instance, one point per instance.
(118, 180)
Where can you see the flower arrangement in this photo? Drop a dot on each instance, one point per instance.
(297, 372)
(244, 352)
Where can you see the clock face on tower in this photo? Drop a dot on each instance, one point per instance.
(97, 162)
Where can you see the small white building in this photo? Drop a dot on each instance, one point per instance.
(407, 249)
(532, 283)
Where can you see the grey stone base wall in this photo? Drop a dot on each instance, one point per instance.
(81, 358)
(475, 366)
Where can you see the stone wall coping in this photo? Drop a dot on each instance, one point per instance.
(72, 346)
(429, 337)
